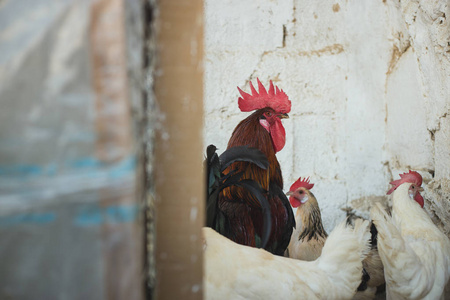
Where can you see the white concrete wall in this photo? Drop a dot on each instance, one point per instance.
(369, 83)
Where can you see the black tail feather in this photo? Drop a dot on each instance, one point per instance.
(374, 236)
(276, 191)
(256, 189)
(216, 181)
(364, 279)
(243, 153)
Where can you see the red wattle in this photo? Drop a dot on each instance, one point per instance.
(278, 135)
(419, 199)
(294, 202)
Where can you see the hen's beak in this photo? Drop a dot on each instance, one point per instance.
(283, 116)
(421, 189)
(289, 193)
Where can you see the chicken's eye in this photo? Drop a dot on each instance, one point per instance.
(301, 192)
(269, 114)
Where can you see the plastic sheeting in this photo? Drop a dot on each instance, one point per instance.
(70, 223)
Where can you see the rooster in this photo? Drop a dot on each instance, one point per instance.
(309, 237)
(415, 253)
(234, 271)
(262, 130)
(216, 181)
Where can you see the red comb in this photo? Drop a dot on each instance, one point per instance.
(411, 177)
(275, 98)
(301, 182)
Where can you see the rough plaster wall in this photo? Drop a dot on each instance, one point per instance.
(355, 71)
(417, 90)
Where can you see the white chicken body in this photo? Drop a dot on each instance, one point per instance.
(234, 271)
(415, 253)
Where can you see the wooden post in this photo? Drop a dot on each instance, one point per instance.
(179, 149)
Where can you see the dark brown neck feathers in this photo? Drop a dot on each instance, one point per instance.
(249, 132)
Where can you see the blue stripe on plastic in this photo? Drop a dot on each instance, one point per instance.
(28, 218)
(88, 215)
(88, 165)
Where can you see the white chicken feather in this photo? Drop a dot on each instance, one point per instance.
(233, 271)
(415, 253)
(309, 236)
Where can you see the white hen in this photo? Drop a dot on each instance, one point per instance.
(309, 236)
(415, 253)
(233, 271)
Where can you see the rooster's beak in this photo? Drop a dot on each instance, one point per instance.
(289, 193)
(283, 116)
(421, 189)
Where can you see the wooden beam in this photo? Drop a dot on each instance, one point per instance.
(179, 149)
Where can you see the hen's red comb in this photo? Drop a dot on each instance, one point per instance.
(411, 177)
(301, 182)
(275, 98)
